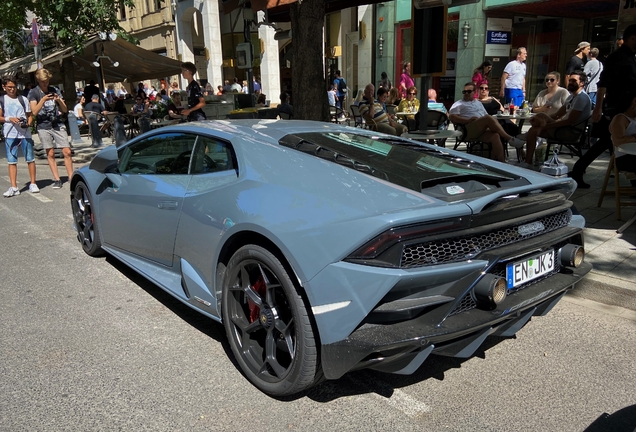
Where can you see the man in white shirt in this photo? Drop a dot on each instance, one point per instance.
(513, 79)
(593, 69)
(480, 126)
(15, 113)
(577, 107)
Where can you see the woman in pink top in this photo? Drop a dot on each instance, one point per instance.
(405, 79)
(481, 74)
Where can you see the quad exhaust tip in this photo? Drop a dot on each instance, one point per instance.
(571, 255)
(490, 290)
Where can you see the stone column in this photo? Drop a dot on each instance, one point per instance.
(212, 37)
(468, 58)
(270, 67)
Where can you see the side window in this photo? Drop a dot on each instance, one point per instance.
(212, 155)
(168, 153)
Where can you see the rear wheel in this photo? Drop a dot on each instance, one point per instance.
(267, 324)
(87, 230)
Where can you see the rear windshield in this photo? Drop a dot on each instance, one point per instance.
(416, 166)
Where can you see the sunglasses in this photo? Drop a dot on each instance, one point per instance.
(466, 91)
(550, 79)
(9, 87)
(411, 94)
(483, 88)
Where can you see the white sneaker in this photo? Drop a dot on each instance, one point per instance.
(516, 142)
(33, 188)
(11, 192)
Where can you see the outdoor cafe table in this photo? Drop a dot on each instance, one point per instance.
(435, 136)
(519, 118)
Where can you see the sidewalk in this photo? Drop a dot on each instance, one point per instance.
(613, 255)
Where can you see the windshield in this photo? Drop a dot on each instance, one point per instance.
(394, 159)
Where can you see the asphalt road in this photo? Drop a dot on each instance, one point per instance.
(88, 345)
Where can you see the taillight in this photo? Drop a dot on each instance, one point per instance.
(384, 241)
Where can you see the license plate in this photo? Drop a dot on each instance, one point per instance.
(524, 271)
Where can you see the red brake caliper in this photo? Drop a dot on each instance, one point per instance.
(260, 287)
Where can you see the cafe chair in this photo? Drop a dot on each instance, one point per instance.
(474, 147)
(618, 191)
(572, 137)
(336, 114)
(357, 117)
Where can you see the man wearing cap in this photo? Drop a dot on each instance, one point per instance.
(577, 62)
(619, 75)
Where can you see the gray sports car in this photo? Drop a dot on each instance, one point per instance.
(325, 249)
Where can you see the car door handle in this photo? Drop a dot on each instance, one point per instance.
(168, 205)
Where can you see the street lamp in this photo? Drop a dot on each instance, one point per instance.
(466, 29)
(22, 37)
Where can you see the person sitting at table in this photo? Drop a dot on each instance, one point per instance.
(577, 107)
(141, 106)
(120, 107)
(176, 106)
(260, 102)
(394, 96)
(79, 111)
(623, 130)
(284, 106)
(411, 103)
(432, 102)
(371, 110)
(492, 106)
(219, 90)
(552, 98)
(480, 126)
(358, 97)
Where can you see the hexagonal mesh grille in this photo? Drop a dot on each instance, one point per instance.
(466, 304)
(462, 248)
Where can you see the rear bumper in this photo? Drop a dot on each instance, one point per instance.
(402, 347)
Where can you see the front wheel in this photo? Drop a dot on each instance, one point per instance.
(267, 324)
(83, 214)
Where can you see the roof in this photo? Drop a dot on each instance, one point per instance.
(135, 63)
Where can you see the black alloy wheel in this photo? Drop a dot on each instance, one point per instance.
(267, 324)
(87, 230)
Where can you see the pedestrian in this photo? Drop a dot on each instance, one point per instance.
(15, 113)
(593, 69)
(385, 82)
(481, 74)
(341, 89)
(195, 95)
(48, 106)
(577, 62)
(619, 75)
(405, 80)
(623, 131)
(331, 95)
(513, 79)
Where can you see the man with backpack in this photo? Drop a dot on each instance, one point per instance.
(341, 87)
(15, 113)
(46, 104)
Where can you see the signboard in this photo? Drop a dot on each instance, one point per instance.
(498, 37)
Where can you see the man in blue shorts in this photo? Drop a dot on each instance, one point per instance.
(513, 79)
(15, 113)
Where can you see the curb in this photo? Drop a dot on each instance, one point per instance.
(606, 290)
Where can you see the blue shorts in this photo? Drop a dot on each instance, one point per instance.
(515, 94)
(12, 145)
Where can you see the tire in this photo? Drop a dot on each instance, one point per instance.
(267, 324)
(87, 230)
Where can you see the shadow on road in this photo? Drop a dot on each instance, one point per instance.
(621, 421)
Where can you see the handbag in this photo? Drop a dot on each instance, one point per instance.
(554, 166)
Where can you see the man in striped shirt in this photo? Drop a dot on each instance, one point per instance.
(373, 113)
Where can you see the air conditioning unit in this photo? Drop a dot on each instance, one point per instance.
(423, 4)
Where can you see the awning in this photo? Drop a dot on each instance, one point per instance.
(135, 63)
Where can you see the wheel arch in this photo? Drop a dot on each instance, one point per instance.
(242, 238)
